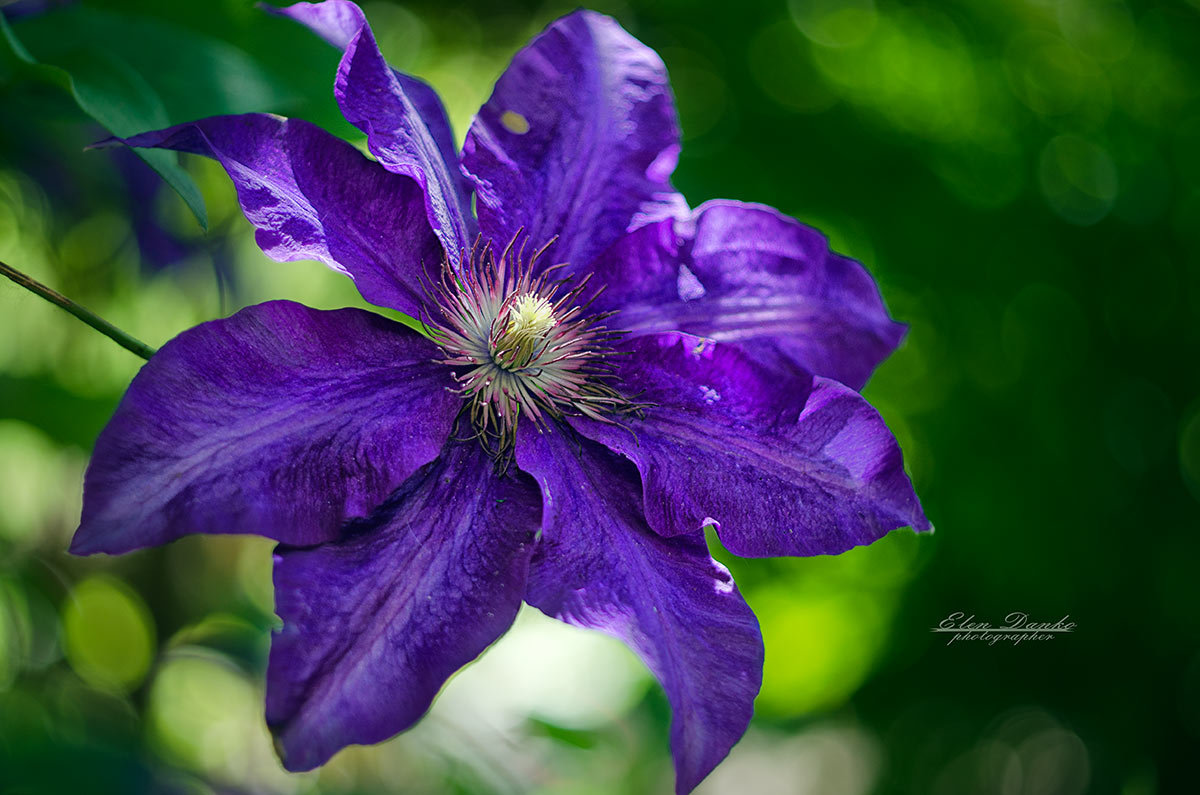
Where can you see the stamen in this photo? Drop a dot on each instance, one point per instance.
(522, 343)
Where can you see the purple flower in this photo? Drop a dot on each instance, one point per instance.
(543, 442)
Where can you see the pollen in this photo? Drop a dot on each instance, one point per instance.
(530, 320)
(514, 122)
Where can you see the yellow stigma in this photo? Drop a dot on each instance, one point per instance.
(529, 320)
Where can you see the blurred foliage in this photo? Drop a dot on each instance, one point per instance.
(1023, 179)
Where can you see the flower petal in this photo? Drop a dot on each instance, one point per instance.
(598, 565)
(313, 196)
(280, 420)
(578, 140)
(375, 623)
(786, 464)
(746, 273)
(338, 22)
(406, 125)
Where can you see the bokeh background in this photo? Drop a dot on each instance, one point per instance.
(1022, 177)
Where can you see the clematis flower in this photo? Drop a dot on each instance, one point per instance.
(545, 440)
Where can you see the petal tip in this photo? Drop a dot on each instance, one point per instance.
(292, 762)
(92, 538)
(111, 142)
(80, 545)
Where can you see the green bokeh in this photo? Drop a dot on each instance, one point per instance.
(108, 634)
(1022, 179)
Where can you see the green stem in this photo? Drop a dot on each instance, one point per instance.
(95, 321)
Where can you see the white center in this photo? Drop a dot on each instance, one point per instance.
(529, 320)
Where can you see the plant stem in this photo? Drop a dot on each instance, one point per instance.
(95, 321)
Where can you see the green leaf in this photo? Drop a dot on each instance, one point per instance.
(133, 73)
(194, 75)
(115, 95)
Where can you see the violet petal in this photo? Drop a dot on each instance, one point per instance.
(280, 420)
(374, 624)
(787, 464)
(748, 274)
(599, 565)
(314, 196)
(578, 140)
(406, 125)
(338, 22)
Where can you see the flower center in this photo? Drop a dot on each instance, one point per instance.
(529, 320)
(522, 344)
